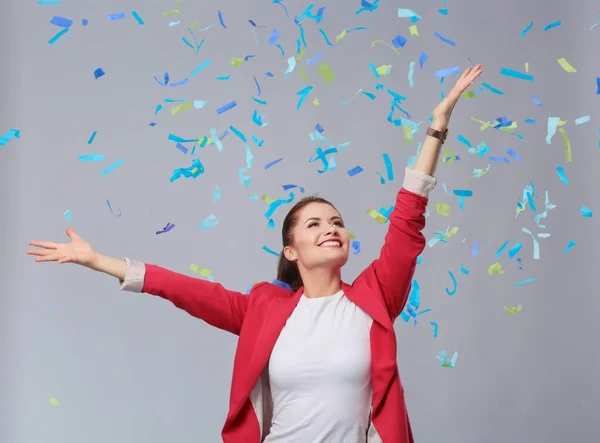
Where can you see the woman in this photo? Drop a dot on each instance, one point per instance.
(316, 363)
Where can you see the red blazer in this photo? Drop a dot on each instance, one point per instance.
(381, 290)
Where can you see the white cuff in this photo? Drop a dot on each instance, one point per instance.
(134, 276)
(418, 182)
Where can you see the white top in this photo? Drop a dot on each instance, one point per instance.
(320, 373)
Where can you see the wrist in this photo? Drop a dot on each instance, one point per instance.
(95, 264)
(439, 124)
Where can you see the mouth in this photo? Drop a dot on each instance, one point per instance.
(331, 244)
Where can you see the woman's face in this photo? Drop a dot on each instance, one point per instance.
(319, 238)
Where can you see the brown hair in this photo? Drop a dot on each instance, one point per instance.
(287, 271)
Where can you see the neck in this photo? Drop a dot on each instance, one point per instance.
(321, 282)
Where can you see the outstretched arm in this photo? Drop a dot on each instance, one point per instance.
(208, 301)
(404, 240)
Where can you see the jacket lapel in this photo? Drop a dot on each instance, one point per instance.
(368, 302)
(278, 312)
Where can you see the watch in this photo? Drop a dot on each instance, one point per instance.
(440, 135)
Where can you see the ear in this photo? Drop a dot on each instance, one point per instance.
(290, 254)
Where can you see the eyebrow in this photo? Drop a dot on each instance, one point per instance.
(335, 217)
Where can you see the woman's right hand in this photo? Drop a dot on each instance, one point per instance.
(77, 251)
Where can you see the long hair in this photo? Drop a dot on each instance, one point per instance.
(287, 271)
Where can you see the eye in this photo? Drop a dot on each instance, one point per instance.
(339, 223)
(313, 224)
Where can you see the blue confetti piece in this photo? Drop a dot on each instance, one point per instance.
(374, 70)
(270, 251)
(226, 107)
(444, 39)
(435, 329)
(84, 21)
(569, 246)
(116, 16)
(61, 21)
(501, 249)
(586, 212)
(319, 128)
(422, 59)
(530, 121)
(67, 214)
(356, 170)
(274, 162)
(113, 166)
(92, 137)
(475, 250)
(514, 250)
(582, 120)
(388, 167)
(399, 41)
(499, 159)
(562, 175)
(181, 148)
(220, 15)
(463, 140)
(99, 73)
(356, 247)
(453, 291)
(536, 101)
(310, 61)
(556, 24)
(137, 17)
(515, 74)
(48, 3)
(274, 36)
(200, 68)
(597, 85)
(91, 158)
(447, 72)
(9, 135)
(492, 89)
(529, 280)
(443, 11)
(526, 30)
(531, 202)
(513, 154)
(58, 35)
(281, 49)
(464, 270)
(282, 284)
(325, 37)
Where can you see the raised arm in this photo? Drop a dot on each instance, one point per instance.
(404, 241)
(208, 301)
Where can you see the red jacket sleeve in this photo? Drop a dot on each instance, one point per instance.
(203, 299)
(395, 267)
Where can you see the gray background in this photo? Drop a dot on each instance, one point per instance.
(132, 368)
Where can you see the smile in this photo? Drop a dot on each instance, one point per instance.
(331, 244)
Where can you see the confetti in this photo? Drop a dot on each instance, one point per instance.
(166, 229)
(435, 329)
(209, 222)
(443, 359)
(453, 291)
(113, 166)
(565, 65)
(562, 175)
(326, 73)
(99, 73)
(53, 401)
(514, 310)
(58, 35)
(137, 17)
(495, 268)
(91, 158)
(524, 282)
(226, 107)
(204, 272)
(356, 170)
(552, 25)
(445, 40)
(526, 29)
(586, 212)
(61, 21)
(116, 16)
(515, 74)
(9, 135)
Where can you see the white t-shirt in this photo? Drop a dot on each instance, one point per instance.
(320, 373)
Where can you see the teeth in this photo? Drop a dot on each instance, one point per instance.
(330, 243)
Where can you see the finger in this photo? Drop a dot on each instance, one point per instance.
(65, 260)
(43, 244)
(72, 235)
(48, 258)
(40, 252)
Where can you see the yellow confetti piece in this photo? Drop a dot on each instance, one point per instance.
(408, 136)
(452, 232)
(171, 12)
(325, 72)
(206, 273)
(442, 208)
(514, 310)
(303, 75)
(448, 157)
(384, 69)
(468, 94)
(315, 102)
(486, 125)
(54, 402)
(235, 62)
(414, 31)
(526, 67)
(566, 65)
(495, 268)
(300, 54)
(375, 215)
(387, 44)
(481, 172)
(266, 198)
(351, 235)
(340, 36)
(567, 144)
(182, 107)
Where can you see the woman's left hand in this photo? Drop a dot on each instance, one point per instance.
(443, 111)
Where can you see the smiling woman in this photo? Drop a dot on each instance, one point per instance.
(316, 361)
